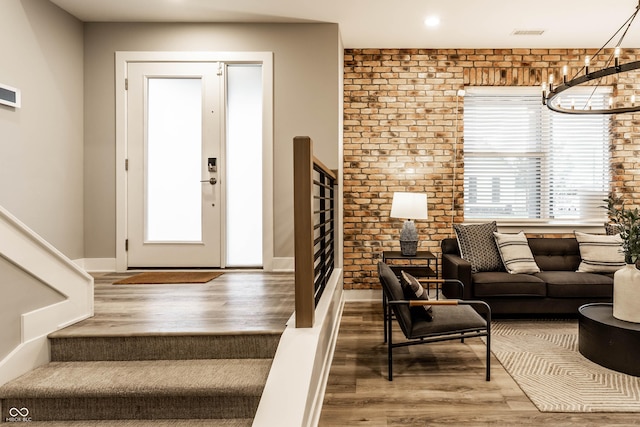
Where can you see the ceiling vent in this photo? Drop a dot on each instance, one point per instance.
(527, 32)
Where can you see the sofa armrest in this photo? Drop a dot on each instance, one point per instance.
(454, 267)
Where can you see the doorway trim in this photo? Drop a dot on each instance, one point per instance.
(122, 60)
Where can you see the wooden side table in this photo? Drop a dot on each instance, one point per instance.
(419, 265)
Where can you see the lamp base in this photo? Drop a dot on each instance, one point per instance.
(408, 247)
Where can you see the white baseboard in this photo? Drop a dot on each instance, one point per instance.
(101, 265)
(284, 264)
(96, 265)
(24, 358)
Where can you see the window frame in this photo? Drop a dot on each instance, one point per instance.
(544, 222)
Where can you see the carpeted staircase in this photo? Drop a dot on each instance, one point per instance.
(213, 380)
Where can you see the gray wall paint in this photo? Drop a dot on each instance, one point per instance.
(21, 293)
(306, 78)
(41, 144)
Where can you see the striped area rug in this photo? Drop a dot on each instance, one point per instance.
(542, 357)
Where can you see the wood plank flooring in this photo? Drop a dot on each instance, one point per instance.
(434, 385)
(234, 302)
(439, 384)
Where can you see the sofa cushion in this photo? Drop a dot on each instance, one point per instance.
(555, 254)
(478, 246)
(600, 253)
(502, 284)
(515, 253)
(569, 284)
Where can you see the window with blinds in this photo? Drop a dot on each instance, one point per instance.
(525, 162)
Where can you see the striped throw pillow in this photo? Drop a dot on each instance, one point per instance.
(413, 290)
(600, 253)
(515, 253)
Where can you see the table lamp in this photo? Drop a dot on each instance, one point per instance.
(409, 206)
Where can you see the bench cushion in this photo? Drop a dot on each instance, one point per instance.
(448, 318)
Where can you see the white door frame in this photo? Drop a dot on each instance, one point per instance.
(121, 65)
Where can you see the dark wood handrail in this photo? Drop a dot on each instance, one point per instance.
(314, 225)
(324, 168)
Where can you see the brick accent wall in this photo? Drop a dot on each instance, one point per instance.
(403, 125)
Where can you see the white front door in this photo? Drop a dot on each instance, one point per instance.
(175, 165)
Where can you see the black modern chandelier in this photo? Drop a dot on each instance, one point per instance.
(551, 94)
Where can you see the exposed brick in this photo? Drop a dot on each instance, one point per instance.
(400, 116)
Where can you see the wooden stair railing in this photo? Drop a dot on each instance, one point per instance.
(314, 228)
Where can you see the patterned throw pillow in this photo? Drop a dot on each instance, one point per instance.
(478, 246)
(413, 290)
(610, 229)
(600, 253)
(516, 254)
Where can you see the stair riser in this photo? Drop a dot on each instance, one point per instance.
(164, 347)
(116, 408)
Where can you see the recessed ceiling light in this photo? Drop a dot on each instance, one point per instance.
(527, 32)
(432, 21)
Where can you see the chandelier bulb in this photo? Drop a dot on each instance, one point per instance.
(587, 61)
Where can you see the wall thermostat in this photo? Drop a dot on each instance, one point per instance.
(9, 96)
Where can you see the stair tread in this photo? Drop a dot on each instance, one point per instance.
(235, 422)
(164, 347)
(79, 332)
(142, 378)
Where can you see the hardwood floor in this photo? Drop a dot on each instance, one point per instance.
(439, 384)
(234, 302)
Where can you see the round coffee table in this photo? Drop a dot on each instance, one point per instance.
(607, 341)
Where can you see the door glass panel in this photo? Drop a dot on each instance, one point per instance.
(173, 160)
(244, 165)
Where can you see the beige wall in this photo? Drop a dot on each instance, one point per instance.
(41, 146)
(306, 74)
(21, 293)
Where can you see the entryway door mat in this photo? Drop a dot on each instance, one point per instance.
(542, 357)
(169, 277)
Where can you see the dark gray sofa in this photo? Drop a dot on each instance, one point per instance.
(558, 289)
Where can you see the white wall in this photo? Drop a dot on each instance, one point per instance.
(306, 78)
(41, 144)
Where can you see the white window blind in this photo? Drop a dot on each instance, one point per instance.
(524, 162)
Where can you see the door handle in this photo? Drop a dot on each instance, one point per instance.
(211, 181)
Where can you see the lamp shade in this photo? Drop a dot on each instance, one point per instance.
(409, 205)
